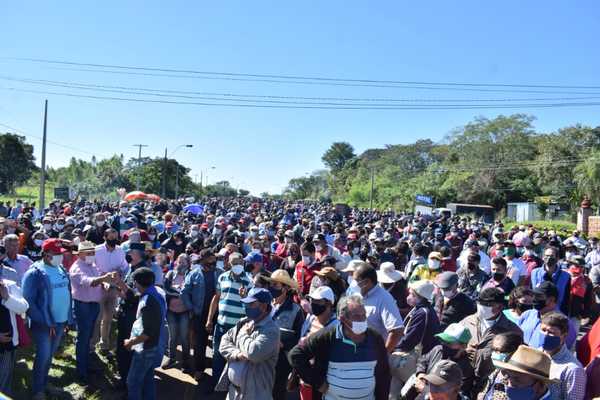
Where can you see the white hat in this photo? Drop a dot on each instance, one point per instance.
(323, 293)
(423, 288)
(352, 265)
(387, 273)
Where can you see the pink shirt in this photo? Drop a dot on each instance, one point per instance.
(82, 274)
(111, 260)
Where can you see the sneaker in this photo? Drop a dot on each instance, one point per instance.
(169, 363)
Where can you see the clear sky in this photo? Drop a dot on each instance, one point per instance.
(516, 41)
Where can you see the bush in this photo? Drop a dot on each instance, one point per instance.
(561, 227)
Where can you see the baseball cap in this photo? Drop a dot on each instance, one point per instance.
(253, 257)
(53, 246)
(258, 294)
(446, 279)
(491, 295)
(444, 372)
(323, 293)
(455, 333)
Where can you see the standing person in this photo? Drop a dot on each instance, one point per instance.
(519, 301)
(444, 381)
(16, 261)
(145, 341)
(251, 350)
(96, 233)
(109, 257)
(178, 314)
(454, 305)
(551, 272)
(471, 278)
(499, 277)
(11, 304)
(343, 355)
(226, 304)
(86, 290)
(289, 318)
(429, 271)
(46, 287)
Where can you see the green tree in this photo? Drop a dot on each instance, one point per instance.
(338, 155)
(16, 162)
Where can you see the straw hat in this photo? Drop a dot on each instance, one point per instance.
(529, 361)
(282, 276)
(85, 247)
(329, 273)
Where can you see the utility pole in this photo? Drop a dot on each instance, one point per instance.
(201, 179)
(372, 185)
(139, 146)
(164, 176)
(177, 183)
(43, 172)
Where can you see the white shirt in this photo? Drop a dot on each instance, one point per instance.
(109, 261)
(516, 268)
(485, 263)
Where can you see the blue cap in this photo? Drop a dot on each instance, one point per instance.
(253, 257)
(258, 294)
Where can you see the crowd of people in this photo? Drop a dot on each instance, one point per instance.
(307, 297)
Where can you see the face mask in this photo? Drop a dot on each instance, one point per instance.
(550, 260)
(449, 352)
(275, 292)
(502, 357)
(485, 312)
(128, 258)
(220, 264)
(253, 234)
(194, 233)
(317, 309)
(498, 276)
(525, 393)
(100, 223)
(307, 260)
(252, 312)
(90, 259)
(217, 231)
(448, 293)
(521, 307)
(500, 253)
(47, 227)
(510, 252)
(151, 237)
(10, 231)
(355, 251)
(288, 240)
(178, 242)
(124, 210)
(112, 242)
(550, 342)
(237, 269)
(539, 305)
(359, 327)
(57, 260)
(38, 242)
(318, 247)
(433, 264)
(267, 250)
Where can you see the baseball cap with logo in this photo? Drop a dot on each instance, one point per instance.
(455, 333)
(53, 246)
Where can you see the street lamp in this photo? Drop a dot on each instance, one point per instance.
(203, 175)
(164, 180)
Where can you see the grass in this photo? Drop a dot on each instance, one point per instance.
(29, 193)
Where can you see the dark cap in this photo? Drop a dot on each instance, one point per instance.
(547, 288)
(577, 260)
(491, 295)
(137, 246)
(446, 280)
(444, 372)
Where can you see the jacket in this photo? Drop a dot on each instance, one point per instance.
(194, 290)
(38, 293)
(169, 291)
(421, 325)
(15, 304)
(320, 347)
(261, 349)
(455, 310)
(289, 317)
(428, 360)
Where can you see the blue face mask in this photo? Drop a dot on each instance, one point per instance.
(550, 342)
(525, 393)
(252, 312)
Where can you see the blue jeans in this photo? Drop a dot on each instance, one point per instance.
(218, 361)
(85, 315)
(140, 379)
(45, 347)
(179, 324)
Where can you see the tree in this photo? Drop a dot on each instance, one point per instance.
(338, 155)
(16, 162)
(243, 192)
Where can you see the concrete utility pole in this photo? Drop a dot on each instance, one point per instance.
(139, 146)
(43, 172)
(372, 186)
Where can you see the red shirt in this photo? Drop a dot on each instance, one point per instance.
(448, 264)
(304, 277)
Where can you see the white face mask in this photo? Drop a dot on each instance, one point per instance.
(355, 250)
(237, 269)
(318, 247)
(59, 227)
(90, 259)
(220, 264)
(124, 210)
(485, 312)
(47, 227)
(307, 260)
(433, 264)
(194, 233)
(99, 223)
(38, 242)
(448, 293)
(288, 240)
(76, 241)
(57, 260)
(359, 327)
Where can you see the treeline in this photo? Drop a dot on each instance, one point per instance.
(487, 161)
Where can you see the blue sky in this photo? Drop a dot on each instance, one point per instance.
(529, 42)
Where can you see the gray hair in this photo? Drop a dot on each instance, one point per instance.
(344, 304)
(11, 238)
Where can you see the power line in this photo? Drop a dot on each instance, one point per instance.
(244, 97)
(294, 77)
(316, 107)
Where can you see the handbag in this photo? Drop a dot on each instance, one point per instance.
(23, 332)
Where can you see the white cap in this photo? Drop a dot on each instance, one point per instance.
(352, 265)
(423, 288)
(323, 293)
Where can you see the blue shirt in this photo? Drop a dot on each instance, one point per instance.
(61, 297)
(530, 323)
(560, 278)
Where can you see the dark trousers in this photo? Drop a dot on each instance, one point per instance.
(124, 324)
(201, 341)
(218, 363)
(282, 371)
(85, 316)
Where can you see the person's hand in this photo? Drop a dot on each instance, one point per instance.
(52, 332)
(128, 343)
(5, 337)
(209, 326)
(3, 290)
(420, 383)
(243, 292)
(324, 387)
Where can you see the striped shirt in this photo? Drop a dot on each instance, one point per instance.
(231, 309)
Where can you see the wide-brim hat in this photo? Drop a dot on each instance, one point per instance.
(282, 276)
(353, 265)
(529, 361)
(85, 247)
(387, 273)
(329, 273)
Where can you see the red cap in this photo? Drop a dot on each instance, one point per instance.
(53, 246)
(169, 225)
(204, 226)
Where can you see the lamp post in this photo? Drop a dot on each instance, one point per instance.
(164, 177)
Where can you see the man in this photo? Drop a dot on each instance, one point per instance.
(227, 305)
(197, 293)
(145, 341)
(251, 349)
(472, 247)
(454, 305)
(565, 367)
(47, 289)
(418, 258)
(323, 249)
(6, 272)
(471, 278)
(345, 354)
(544, 302)
(444, 381)
(18, 262)
(483, 326)
(515, 267)
(383, 314)
(552, 273)
(96, 233)
(120, 222)
(524, 375)
(109, 258)
(499, 277)
(429, 271)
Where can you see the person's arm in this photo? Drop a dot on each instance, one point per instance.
(394, 337)
(414, 332)
(392, 320)
(14, 300)
(575, 380)
(300, 355)
(30, 292)
(227, 347)
(261, 347)
(214, 304)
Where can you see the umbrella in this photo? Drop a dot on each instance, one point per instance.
(194, 208)
(153, 197)
(135, 195)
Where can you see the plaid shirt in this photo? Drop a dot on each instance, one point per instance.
(571, 374)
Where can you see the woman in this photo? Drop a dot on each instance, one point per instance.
(289, 317)
(519, 301)
(305, 270)
(177, 313)
(293, 257)
(86, 290)
(322, 316)
(328, 276)
(33, 246)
